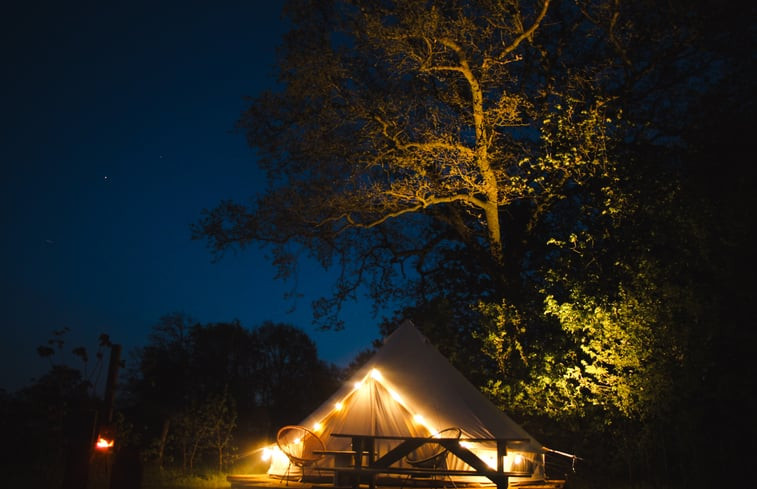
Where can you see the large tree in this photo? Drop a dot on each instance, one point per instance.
(649, 330)
(405, 133)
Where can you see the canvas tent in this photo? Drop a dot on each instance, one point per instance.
(408, 388)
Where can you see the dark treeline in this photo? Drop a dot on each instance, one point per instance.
(197, 398)
(248, 381)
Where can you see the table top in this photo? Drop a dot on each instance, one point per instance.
(409, 437)
(387, 437)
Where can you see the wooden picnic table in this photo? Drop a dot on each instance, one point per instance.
(364, 461)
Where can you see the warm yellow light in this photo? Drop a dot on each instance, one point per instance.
(490, 460)
(395, 396)
(266, 455)
(297, 441)
(276, 456)
(338, 406)
(375, 374)
(358, 384)
(518, 459)
(317, 426)
(466, 444)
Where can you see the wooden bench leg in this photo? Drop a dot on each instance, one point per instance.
(344, 478)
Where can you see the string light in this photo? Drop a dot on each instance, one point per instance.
(375, 375)
(490, 458)
(395, 396)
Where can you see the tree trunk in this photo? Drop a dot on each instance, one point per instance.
(192, 454)
(163, 441)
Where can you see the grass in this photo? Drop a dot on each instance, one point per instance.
(157, 478)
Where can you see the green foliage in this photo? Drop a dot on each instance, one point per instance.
(625, 358)
(502, 340)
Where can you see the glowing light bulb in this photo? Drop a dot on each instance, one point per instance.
(375, 374)
(338, 406)
(267, 454)
(418, 418)
(317, 426)
(491, 461)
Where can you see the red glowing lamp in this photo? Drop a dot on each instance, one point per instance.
(103, 444)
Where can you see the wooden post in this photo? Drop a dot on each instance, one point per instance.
(110, 384)
(82, 431)
(501, 452)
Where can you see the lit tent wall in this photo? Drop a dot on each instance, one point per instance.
(409, 389)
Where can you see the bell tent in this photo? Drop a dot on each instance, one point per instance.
(408, 388)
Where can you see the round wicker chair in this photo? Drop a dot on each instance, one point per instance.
(299, 444)
(432, 455)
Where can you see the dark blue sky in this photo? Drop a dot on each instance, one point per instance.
(116, 132)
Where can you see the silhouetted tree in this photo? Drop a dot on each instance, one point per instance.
(215, 383)
(161, 383)
(291, 379)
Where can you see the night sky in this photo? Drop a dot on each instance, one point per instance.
(117, 130)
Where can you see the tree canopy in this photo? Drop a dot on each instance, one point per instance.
(403, 134)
